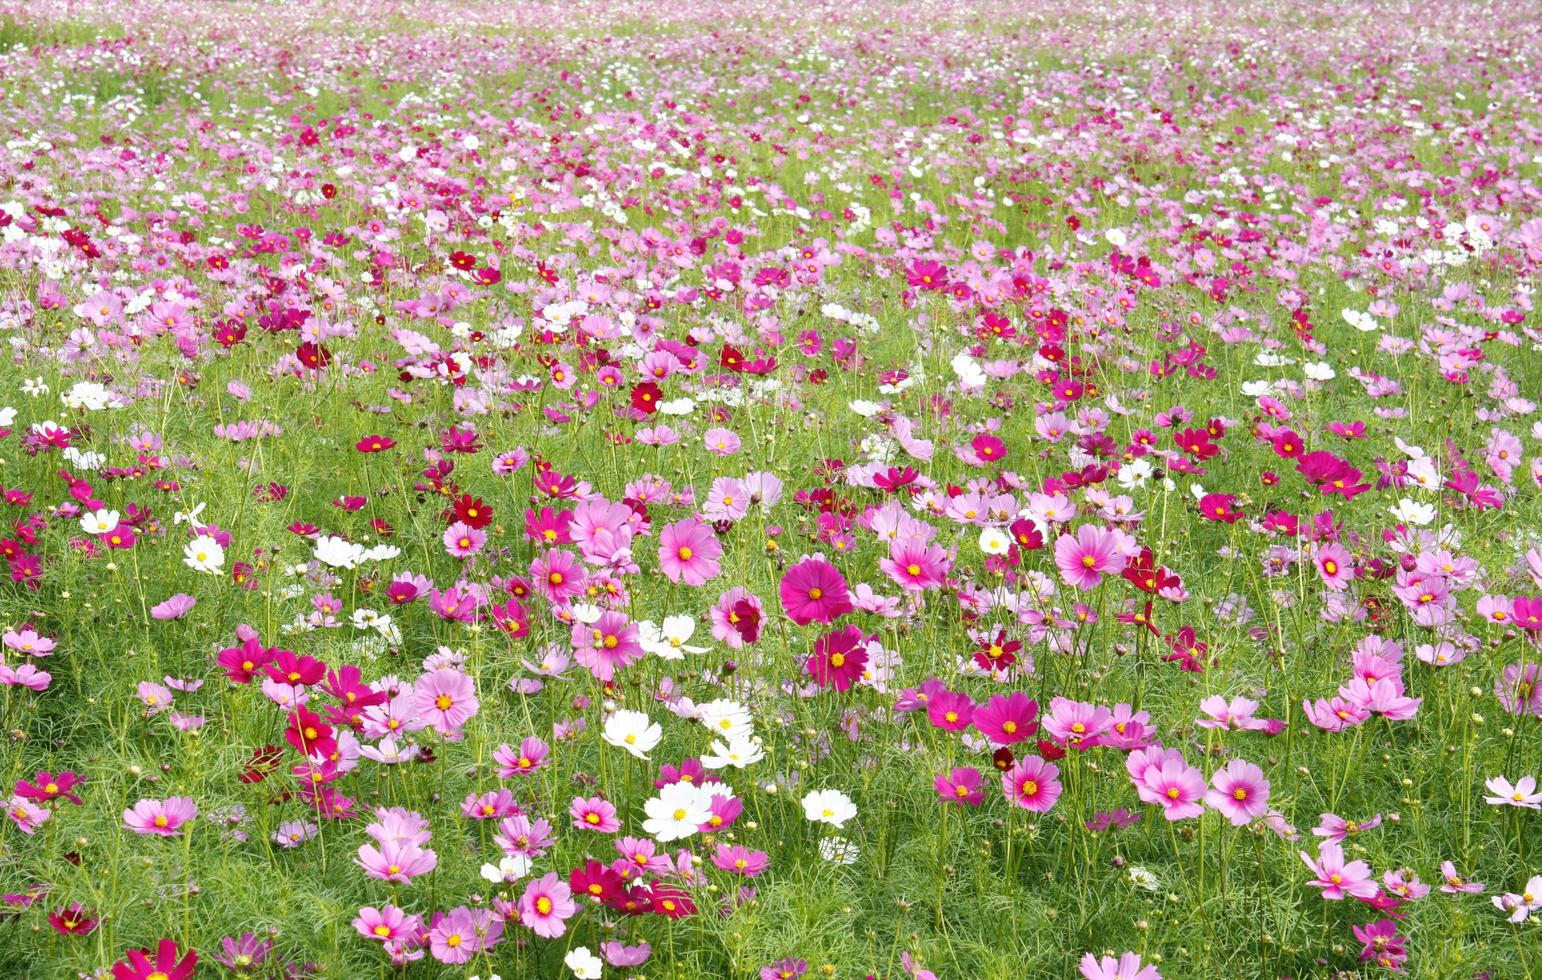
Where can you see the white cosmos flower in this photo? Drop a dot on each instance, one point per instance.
(995, 541)
(738, 753)
(1134, 474)
(584, 964)
(829, 806)
(633, 732)
(1318, 371)
(334, 551)
(677, 812)
(204, 554)
(507, 871)
(970, 374)
(382, 552)
(188, 516)
(88, 395)
(838, 850)
(100, 521)
(726, 718)
(669, 640)
(1412, 512)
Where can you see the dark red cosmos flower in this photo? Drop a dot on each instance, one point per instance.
(262, 763)
(471, 510)
(645, 397)
(312, 355)
(375, 444)
(744, 617)
(895, 479)
(998, 652)
(1027, 534)
(463, 261)
(73, 920)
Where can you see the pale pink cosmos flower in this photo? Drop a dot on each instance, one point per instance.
(163, 817)
(1522, 794)
(446, 699)
(1126, 967)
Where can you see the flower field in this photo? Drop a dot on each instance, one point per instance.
(750, 489)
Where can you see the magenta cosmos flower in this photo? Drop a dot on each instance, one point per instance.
(688, 552)
(839, 658)
(1083, 560)
(1240, 791)
(164, 817)
(1007, 719)
(169, 964)
(1032, 784)
(961, 785)
(546, 905)
(446, 699)
(814, 590)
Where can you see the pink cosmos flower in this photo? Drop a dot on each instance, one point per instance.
(546, 905)
(611, 642)
(950, 711)
(530, 758)
(1240, 792)
(1335, 828)
(916, 567)
(1032, 784)
(1176, 787)
(27, 815)
(813, 590)
(28, 643)
(1455, 884)
(1074, 722)
(689, 552)
(175, 607)
(446, 699)
(595, 813)
(1083, 560)
(1126, 967)
(163, 817)
(1334, 565)
(740, 860)
(387, 924)
(1336, 878)
(461, 540)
